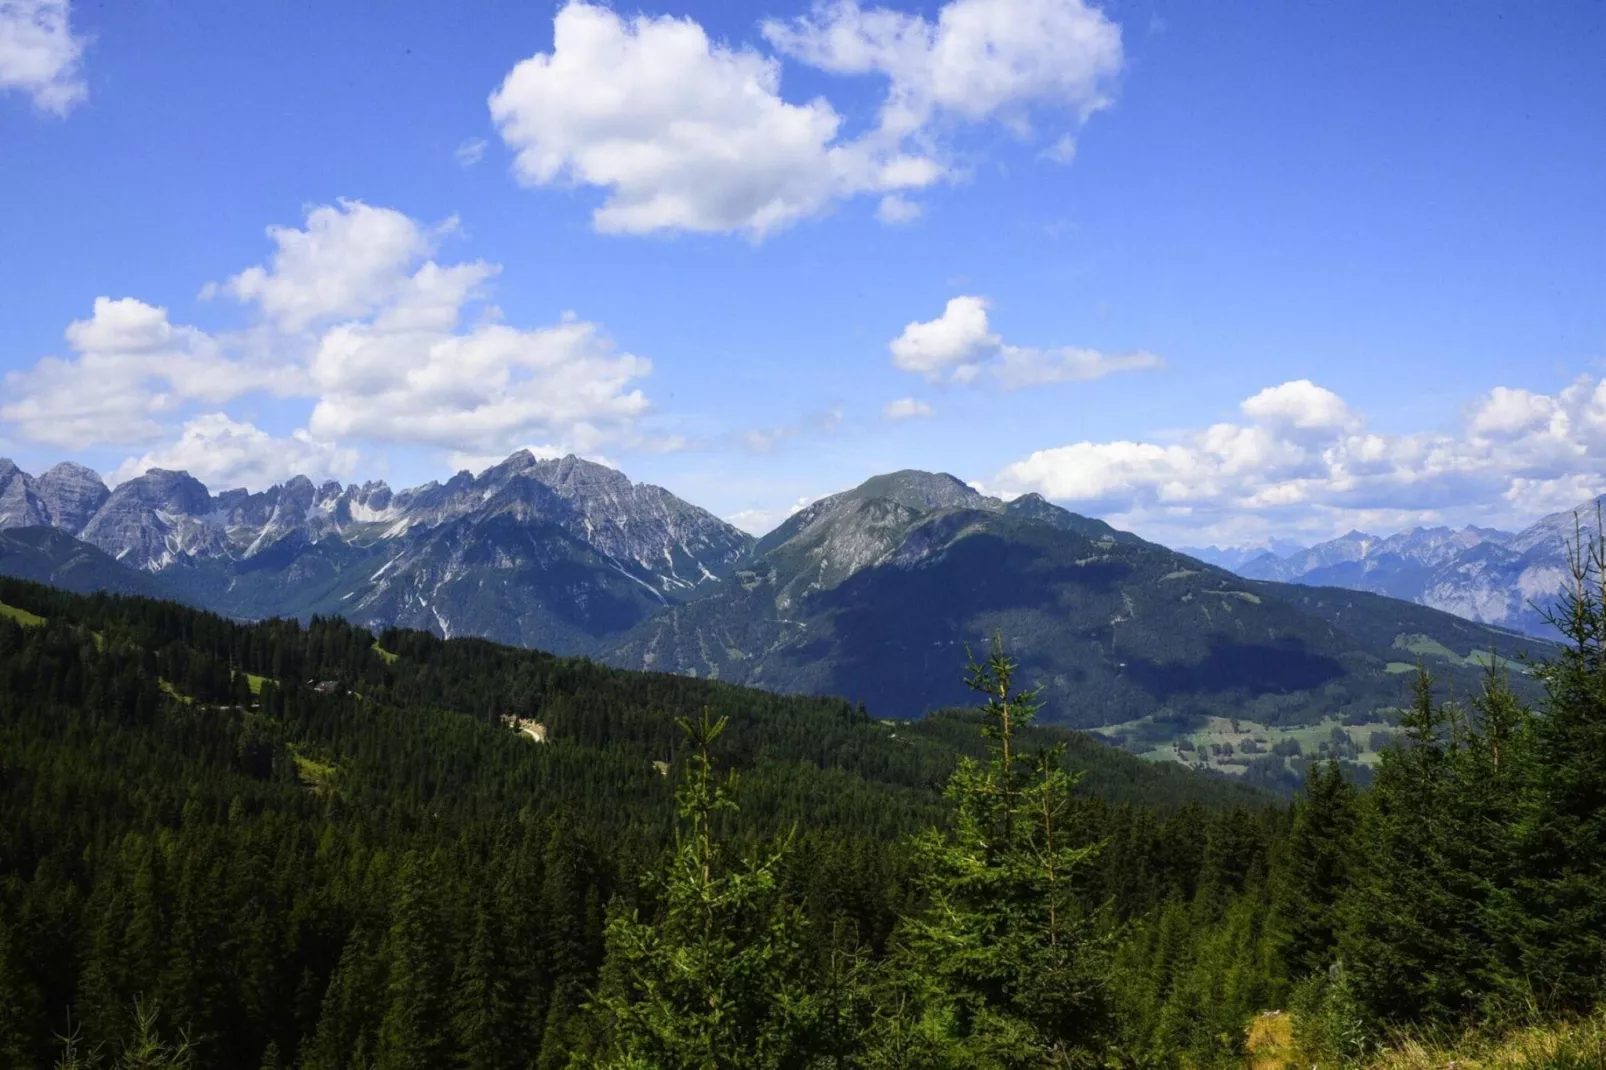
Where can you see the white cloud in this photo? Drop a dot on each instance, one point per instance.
(956, 339)
(132, 367)
(1021, 367)
(469, 151)
(1512, 413)
(686, 133)
(980, 59)
(959, 345)
(224, 453)
(895, 209)
(763, 521)
(349, 261)
(40, 55)
(1305, 462)
(1300, 404)
(479, 462)
(485, 391)
(406, 363)
(906, 409)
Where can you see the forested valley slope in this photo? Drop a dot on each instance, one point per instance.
(282, 844)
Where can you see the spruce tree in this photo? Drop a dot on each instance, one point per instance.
(718, 978)
(1565, 835)
(19, 1002)
(485, 1015)
(413, 1035)
(1401, 929)
(1317, 864)
(1002, 967)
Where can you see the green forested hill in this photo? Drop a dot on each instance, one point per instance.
(275, 845)
(212, 817)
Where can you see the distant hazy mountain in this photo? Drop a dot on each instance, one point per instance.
(1481, 574)
(876, 593)
(1232, 557)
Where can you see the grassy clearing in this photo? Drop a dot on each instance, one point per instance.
(1220, 731)
(1424, 647)
(167, 686)
(21, 616)
(255, 682)
(385, 655)
(312, 773)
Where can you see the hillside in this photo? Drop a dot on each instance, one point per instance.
(259, 803)
(300, 845)
(868, 593)
(586, 707)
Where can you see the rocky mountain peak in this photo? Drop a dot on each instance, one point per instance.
(572, 475)
(20, 506)
(166, 489)
(155, 519)
(71, 494)
(924, 491)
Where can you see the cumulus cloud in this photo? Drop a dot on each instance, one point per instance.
(906, 409)
(469, 151)
(949, 344)
(387, 345)
(980, 59)
(959, 345)
(132, 367)
(1300, 404)
(222, 452)
(486, 390)
(1303, 460)
(350, 260)
(40, 56)
(686, 133)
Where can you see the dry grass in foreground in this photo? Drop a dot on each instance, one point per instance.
(1578, 1045)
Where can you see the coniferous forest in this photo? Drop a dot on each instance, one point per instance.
(275, 845)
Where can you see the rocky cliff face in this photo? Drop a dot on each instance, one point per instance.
(20, 506)
(578, 549)
(71, 495)
(156, 521)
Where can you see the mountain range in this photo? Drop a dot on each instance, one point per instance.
(875, 594)
(1495, 577)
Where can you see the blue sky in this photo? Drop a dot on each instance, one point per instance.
(1217, 272)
